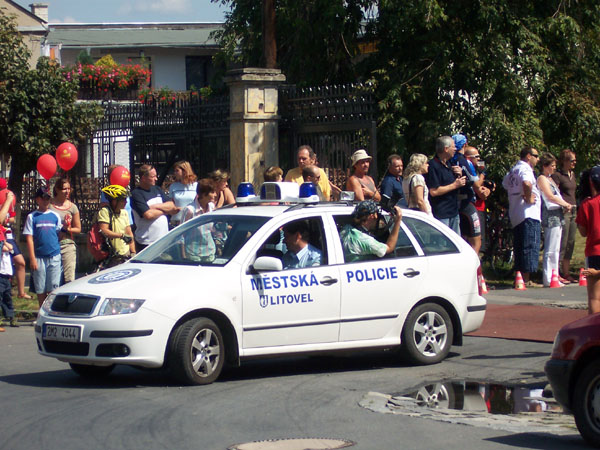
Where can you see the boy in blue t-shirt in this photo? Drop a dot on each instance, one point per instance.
(41, 231)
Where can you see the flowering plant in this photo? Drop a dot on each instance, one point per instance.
(109, 77)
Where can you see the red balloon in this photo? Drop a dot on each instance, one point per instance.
(46, 166)
(120, 175)
(66, 155)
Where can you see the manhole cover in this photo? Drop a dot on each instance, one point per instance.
(294, 444)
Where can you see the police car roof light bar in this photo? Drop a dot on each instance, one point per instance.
(245, 193)
(277, 193)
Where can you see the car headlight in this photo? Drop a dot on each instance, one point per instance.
(115, 306)
(48, 303)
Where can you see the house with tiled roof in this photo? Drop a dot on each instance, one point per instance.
(178, 54)
(32, 24)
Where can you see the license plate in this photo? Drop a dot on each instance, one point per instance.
(61, 333)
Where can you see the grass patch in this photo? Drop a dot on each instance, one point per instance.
(21, 304)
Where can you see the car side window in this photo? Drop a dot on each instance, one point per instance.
(298, 243)
(431, 240)
(404, 247)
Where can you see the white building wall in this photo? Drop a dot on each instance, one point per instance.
(168, 68)
(119, 146)
(122, 153)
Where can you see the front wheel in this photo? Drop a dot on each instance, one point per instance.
(586, 403)
(197, 352)
(427, 334)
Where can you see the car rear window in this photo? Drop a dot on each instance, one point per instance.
(431, 240)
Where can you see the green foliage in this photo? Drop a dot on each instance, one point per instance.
(505, 73)
(459, 66)
(106, 61)
(38, 106)
(84, 58)
(316, 39)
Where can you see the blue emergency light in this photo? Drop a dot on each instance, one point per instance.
(245, 193)
(308, 193)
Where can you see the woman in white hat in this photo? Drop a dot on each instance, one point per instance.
(359, 182)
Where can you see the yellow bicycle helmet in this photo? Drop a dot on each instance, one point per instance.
(115, 191)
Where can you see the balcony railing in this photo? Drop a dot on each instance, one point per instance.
(90, 90)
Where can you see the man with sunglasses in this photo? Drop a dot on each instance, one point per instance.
(524, 210)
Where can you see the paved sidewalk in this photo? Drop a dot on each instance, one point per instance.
(570, 296)
(535, 314)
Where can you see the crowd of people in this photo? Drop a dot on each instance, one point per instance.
(451, 187)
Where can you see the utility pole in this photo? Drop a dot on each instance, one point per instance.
(269, 39)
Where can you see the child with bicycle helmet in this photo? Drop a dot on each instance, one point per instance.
(114, 221)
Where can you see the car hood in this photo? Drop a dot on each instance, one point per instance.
(140, 280)
(591, 322)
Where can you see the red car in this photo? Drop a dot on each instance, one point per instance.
(574, 373)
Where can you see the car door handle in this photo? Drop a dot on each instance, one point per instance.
(411, 273)
(328, 280)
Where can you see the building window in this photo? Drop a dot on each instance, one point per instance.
(196, 71)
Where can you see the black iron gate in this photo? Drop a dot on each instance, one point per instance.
(334, 120)
(157, 132)
(195, 130)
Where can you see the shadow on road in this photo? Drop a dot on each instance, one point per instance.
(127, 377)
(541, 441)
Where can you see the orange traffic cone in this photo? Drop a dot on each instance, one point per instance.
(554, 283)
(582, 278)
(484, 289)
(519, 283)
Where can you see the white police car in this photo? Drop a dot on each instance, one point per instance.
(213, 291)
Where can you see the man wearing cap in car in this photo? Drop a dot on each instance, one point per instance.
(356, 239)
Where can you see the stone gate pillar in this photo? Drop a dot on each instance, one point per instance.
(254, 121)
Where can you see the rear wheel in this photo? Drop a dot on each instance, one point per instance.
(427, 334)
(586, 403)
(197, 352)
(89, 371)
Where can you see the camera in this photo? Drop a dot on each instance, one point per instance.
(387, 203)
(489, 184)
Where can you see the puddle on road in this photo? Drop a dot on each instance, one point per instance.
(483, 397)
(508, 407)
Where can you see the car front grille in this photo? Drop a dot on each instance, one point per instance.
(67, 348)
(74, 304)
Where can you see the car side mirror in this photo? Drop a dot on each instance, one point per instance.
(267, 264)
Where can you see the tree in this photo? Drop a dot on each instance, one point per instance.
(505, 73)
(38, 108)
(317, 40)
(569, 106)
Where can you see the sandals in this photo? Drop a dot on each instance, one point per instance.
(564, 280)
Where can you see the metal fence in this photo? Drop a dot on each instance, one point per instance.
(334, 120)
(154, 132)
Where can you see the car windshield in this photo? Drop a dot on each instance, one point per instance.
(207, 240)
